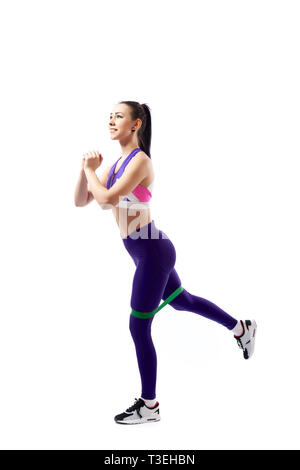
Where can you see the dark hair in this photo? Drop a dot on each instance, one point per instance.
(141, 111)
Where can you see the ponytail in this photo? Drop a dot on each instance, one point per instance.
(142, 111)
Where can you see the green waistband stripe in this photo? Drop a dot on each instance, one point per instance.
(174, 294)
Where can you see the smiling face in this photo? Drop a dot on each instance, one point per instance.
(121, 124)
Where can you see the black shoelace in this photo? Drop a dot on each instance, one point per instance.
(239, 343)
(137, 405)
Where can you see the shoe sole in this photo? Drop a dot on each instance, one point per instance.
(247, 354)
(141, 421)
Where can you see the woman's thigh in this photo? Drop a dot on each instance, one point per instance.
(166, 256)
(155, 277)
(151, 284)
(156, 259)
(172, 284)
(148, 286)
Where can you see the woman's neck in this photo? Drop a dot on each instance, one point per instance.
(126, 149)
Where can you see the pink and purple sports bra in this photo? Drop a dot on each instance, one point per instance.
(140, 196)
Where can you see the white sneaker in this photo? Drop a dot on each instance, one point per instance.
(139, 413)
(246, 340)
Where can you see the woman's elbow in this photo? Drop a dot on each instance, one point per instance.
(79, 204)
(105, 205)
(110, 202)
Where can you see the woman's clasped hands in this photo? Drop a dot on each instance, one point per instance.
(91, 160)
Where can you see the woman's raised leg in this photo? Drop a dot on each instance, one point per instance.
(192, 303)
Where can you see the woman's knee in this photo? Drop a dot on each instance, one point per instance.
(139, 327)
(133, 326)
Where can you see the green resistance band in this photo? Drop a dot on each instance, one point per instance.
(137, 314)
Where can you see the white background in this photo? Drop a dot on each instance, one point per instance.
(222, 81)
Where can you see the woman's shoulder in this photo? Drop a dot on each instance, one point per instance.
(144, 157)
(143, 154)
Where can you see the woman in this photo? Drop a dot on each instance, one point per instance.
(126, 189)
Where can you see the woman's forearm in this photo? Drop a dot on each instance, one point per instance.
(81, 190)
(97, 189)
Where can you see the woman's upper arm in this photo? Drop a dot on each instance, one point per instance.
(134, 173)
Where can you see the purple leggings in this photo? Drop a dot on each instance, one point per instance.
(155, 279)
